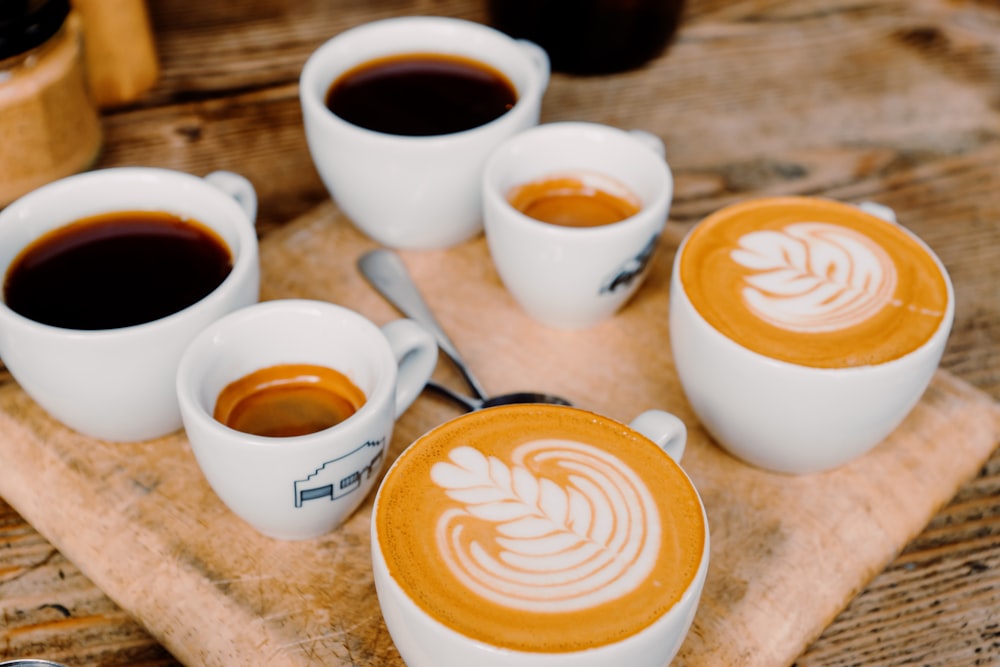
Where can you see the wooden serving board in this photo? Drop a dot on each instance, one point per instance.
(788, 553)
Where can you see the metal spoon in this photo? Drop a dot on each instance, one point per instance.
(388, 275)
(471, 404)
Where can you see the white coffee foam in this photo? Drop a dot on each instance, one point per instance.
(561, 548)
(814, 277)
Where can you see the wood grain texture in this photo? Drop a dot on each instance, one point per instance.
(888, 100)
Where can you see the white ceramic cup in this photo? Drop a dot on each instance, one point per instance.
(118, 384)
(405, 191)
(790, 417)
(493, 481)
(572, 277)
(303, 486)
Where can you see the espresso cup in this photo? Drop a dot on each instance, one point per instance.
(540, 536)
(301, 486)
(564, 274)
(414, 191)
(117, 382)
(804, 330)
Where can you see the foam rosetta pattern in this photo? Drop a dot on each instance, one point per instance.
(546, 543)
(814, 277)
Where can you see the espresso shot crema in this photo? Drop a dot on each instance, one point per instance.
(575, 199)
(813, 282)
(540, 528)
(288, 400)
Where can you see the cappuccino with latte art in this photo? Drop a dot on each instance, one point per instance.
(804, 330)
(813, 282)
(540, 529)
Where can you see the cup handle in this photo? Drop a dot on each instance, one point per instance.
(416, 355)
(539, 58)
(663, 428)
(650, 141)
(239, 188)
(879, 211)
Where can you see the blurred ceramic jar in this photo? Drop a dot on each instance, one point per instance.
(49, 126)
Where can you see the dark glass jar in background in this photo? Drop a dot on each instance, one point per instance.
(591, 36)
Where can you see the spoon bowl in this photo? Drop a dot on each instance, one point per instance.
(472, 404)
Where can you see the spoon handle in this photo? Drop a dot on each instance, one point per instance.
(388, 275)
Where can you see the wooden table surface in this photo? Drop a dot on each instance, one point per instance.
(890, 100)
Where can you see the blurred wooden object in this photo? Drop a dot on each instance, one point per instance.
(120, 50)
(891, 100)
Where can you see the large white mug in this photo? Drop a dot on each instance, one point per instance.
(562, 273)
(414, 191)
(804, 330)
(118, 383)
(304, 485)
(540, 536)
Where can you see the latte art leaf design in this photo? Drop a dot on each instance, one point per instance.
(814, 277)
(569, 541)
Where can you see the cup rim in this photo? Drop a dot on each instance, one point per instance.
(542, 407)
(551, 408)
(493, 196)
(188, 383)
(693, 589)
(244, 259)
(315, 107)
(938, 338)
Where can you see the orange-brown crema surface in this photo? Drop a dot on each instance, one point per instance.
(423, 531)
(813, 282)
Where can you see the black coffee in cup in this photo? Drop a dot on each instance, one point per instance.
(116, 270)
(421, 94)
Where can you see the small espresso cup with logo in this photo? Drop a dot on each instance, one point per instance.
(804, 330)
(572, 214)
(400, 115)
(290, 406)
(107, 277)
(540, 536)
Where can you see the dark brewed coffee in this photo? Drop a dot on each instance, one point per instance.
(288, 400)
(421, 94)
(116, 270)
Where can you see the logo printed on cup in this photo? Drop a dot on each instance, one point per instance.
(540, 529)
(328, 481)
